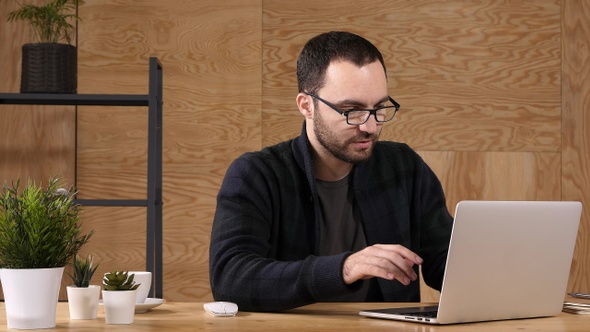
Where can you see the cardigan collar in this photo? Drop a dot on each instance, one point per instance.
(301, 148)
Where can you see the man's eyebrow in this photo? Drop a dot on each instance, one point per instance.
(355, 102)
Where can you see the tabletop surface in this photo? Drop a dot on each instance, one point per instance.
(190, 316)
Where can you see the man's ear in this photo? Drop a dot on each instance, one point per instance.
(305, 105)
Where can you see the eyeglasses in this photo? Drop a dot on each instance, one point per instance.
(356, 117)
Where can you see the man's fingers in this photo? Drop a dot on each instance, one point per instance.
(396, 257)
(396, 267)
(383, 261)
(401, 250)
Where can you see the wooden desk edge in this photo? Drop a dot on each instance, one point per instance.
(190, 316)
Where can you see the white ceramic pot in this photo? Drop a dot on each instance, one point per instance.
(83, 301)
(119, 306)
(30, 296)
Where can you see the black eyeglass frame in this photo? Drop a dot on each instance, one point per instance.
(372, 112)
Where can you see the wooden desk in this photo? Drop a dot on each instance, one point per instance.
(316, 317)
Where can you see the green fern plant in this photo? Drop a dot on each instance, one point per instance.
(84, 269)
(119, 281)
(51, 21)
(39, 227)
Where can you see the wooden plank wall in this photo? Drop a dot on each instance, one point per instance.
(493, 95)
(575, 152)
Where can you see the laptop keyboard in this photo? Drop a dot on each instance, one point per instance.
(426, 314)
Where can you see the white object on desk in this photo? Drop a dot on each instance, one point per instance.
(149, 303)
(221, 309)
(144, 279)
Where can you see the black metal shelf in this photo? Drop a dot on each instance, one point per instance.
(112, 202)
(74, 99)
(153, 203)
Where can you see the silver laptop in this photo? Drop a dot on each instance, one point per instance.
(506, 260)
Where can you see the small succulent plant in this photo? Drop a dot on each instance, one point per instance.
(84, 269)
(119, 281)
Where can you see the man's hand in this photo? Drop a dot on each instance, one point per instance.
(387, 261)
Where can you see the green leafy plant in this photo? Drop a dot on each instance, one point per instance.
(51, 21)
(83, 270)
(39, 227)
(119, 281)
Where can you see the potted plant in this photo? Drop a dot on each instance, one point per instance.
(118, 295)
(83, 297)
(39, 234)
(50, 64)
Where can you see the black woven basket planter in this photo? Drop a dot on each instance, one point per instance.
(49, 68)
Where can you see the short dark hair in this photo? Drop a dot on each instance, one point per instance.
(320, 51)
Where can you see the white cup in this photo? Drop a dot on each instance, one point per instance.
(144, 278)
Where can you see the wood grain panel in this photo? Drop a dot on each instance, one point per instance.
(576, 125)
(471, 76)
(211, 62)
(37, 142)
(13, 35)
(496, 175)
(112, 157)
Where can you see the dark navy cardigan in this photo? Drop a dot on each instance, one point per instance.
(264, 242)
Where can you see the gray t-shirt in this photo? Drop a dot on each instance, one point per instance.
(341, 227)
(340, 230)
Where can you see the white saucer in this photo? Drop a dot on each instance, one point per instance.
(149, 303)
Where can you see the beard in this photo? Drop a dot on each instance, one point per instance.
(343, 150)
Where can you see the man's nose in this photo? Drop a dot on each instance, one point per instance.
(371, 125)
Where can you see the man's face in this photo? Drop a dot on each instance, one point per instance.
(347, 87)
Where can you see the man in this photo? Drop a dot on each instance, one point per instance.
(332, 215)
